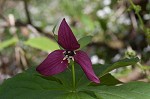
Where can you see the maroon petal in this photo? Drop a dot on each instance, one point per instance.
(53, 64)
(66, 37)
(86, 65)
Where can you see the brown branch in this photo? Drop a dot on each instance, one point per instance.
(2, 4)
(27, 12)
(29, 21)
(19, 23)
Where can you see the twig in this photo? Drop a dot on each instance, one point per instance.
(134, 7)
(27, 12)
(2, 4)
(133, 20)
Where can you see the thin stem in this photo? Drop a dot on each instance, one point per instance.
(138, 15)
(27, 12)
(141, 21)
(131, 2)
(73, 75)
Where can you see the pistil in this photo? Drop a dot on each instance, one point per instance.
(69, 55)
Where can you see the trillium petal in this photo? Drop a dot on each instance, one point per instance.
(82, 59)
(53, 64)
(66, 37)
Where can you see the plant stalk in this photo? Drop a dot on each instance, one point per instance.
(73, 75)
(138, 15)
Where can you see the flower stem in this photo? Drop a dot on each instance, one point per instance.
(73, 75)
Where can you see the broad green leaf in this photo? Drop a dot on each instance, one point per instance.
(104, 69)
(84, 41)
(132, 90)
(66, 76)
(108, 79)
(27, 86)
(79, 95)
(31, 85)
(42, 43)
(32, 71)
(8, 43)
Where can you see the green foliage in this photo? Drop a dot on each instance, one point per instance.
(8, 43)
(42, 43)
(109, 80)
(31, 85)
(53, 31)
(104, 69)
(84, 17)
(28, 86)
(86, 20)
(84, 41)
(133, 90)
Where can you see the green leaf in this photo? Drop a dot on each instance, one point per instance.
(31, 85)
(27, 86)
(53, 30)
(66, 77)
(132, 90)
(42, 43)
(104, 69)
(81, 79)
(84, 41)
(8, 43)
(79, 95)
(108, 79)
(56, 37)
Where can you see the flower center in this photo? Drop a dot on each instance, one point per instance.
(69, 55)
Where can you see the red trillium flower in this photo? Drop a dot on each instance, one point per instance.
(58, 60)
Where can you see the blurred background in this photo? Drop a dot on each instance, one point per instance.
(119, 29)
